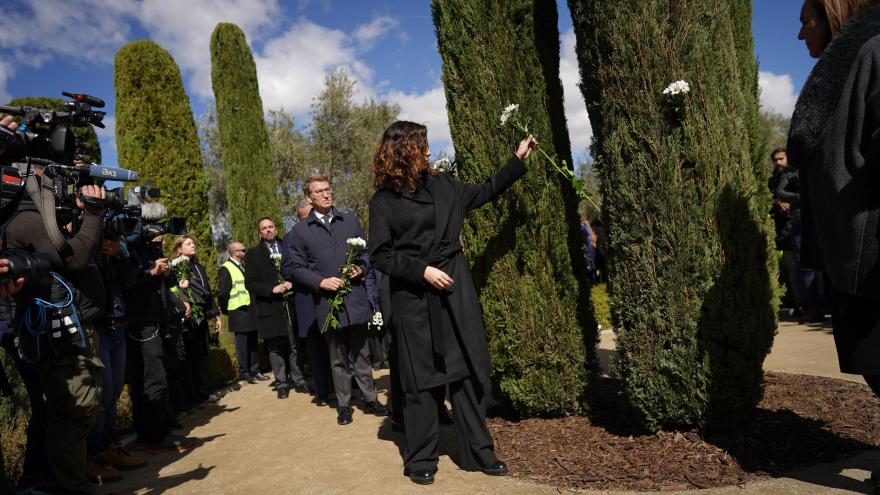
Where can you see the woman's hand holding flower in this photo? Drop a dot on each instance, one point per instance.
(525, 147)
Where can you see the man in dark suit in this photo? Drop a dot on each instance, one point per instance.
(318, 250)
(239, 306)
(307, 322)
(274, 321)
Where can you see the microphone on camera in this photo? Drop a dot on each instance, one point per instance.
(153, 212)
(112, 173)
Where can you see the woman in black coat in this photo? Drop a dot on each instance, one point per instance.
(416, 216)
(202, 297)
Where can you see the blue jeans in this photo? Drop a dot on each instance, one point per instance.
(112, 351)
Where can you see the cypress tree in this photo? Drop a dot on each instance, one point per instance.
(685, 210)
(156, 135)
(86, 137)
(525, 248)
(244, 144)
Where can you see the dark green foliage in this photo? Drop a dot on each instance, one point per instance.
(86, 136)
(684, 202)
(156, 135)
(526, 247)
(244, 146)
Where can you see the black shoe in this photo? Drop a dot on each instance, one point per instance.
(875, 482)
(319, 402)
(496, 469)
(261, 377)
(282, 393)
(376, 408)
(251, 380)
(344, 416)
(445, 415)
(422, 476)
(302, 388)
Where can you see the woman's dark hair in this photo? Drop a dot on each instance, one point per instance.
(399, 158)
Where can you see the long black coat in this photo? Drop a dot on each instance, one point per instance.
(403, 243)
(273, 317)
(241, 320)
(317, 253)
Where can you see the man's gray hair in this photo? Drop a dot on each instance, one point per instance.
(303, 203)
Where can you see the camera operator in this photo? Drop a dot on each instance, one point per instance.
(155, 316)
(58, 337)
(105, 453)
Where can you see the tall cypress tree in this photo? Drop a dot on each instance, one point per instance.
(526, 248)
(86, 137)
(686, 213)
(156, 135)
(244, 143)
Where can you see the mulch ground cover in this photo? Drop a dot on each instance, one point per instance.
(802, 420)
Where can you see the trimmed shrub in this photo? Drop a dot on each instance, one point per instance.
(156, 135)
(690, 277)
(244, 145)
(526, 247)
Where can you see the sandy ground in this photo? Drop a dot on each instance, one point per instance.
(255, 443)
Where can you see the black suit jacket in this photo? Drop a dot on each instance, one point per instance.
(273, 316)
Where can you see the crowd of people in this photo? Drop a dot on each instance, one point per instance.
(115, 309)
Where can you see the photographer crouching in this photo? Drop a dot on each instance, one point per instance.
(54, 323)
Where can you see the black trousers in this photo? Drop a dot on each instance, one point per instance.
(148, 383)
(319, 360)
(340, 343)
(246, 352)
(278, 347)
(474, 447)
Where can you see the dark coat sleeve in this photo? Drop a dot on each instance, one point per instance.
(201, 288)
(476, 195)
(382, 253)
(302, 276)
(286, 260)
(252, 278)
(26, 232)
(224, 285)
(784, 190)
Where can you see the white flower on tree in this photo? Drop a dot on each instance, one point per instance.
(678, 87)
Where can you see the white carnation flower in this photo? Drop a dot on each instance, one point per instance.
(377, 319)
(179, 260)
(357, 242)
(443, 165)
(678, 87)
(275, 256)
(508, 111)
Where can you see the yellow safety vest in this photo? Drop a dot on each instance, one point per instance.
(238, 294)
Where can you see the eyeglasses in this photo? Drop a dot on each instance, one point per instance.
(321, 192)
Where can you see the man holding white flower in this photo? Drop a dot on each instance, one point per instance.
(317, 258)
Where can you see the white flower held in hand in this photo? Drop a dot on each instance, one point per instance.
(677, 87)
(508, 111)
(442, 165)
(179, 260)
(357, 242)
(275, 256)
(377, 319)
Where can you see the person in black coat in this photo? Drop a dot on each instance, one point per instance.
(274, 321)
(416, 217)
(320, 247)
(242, 320)
(197, 342)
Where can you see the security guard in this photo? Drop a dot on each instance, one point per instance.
(235, 302)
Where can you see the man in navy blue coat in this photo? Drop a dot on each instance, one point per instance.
(317, 251)
(306, 321)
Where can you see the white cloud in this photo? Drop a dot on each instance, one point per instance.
(367, 34)
(292, 67)
(579, 129)
(186, 31)
(6, 72)
(777, 93)
(89, 30)
(428, 108)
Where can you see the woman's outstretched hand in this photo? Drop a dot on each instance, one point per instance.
(438, 278)
(525, 147)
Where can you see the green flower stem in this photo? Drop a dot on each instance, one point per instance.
(332, 320)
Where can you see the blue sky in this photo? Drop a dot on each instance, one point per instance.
(389, 47)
